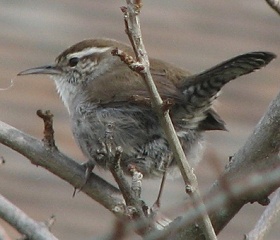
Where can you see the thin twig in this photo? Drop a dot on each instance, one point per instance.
(239, 190)
(48, 139)
(118, 175)
(136, 185)
(130, 199)
(132, 24)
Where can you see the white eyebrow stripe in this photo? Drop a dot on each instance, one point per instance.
(88, 51)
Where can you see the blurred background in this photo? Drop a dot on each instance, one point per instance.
(191, 34)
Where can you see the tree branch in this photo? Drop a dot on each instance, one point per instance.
(132, 24)
(258, 157)
(260, 154)
(60, 165)
(24, 224)
(184, 227)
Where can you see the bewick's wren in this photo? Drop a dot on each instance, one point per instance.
(98, 90)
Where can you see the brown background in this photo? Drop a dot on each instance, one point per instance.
(192, 34)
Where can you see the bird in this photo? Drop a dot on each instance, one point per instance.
(104, 98)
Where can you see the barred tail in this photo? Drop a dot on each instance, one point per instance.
(202, 88)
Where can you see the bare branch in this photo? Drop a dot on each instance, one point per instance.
(48, 139)
(60, 165)
(24, 224)
(132, 24)
(238, 191)
(260, 154)
(118, 175)
(136, 185)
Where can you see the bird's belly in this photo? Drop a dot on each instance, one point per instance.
(95, 128)
(139, 134)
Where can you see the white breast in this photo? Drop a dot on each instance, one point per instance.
(65, 90)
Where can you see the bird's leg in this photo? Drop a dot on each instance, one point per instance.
(156, 204)
(160, 221)
(89, 166)
(164, 166)
(109, 145)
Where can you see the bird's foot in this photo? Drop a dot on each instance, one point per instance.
(89, 166)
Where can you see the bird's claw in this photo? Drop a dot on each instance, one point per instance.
(89, 166)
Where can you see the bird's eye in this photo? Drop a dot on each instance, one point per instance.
(73, 61)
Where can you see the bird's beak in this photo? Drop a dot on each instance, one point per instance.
(49, 69)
